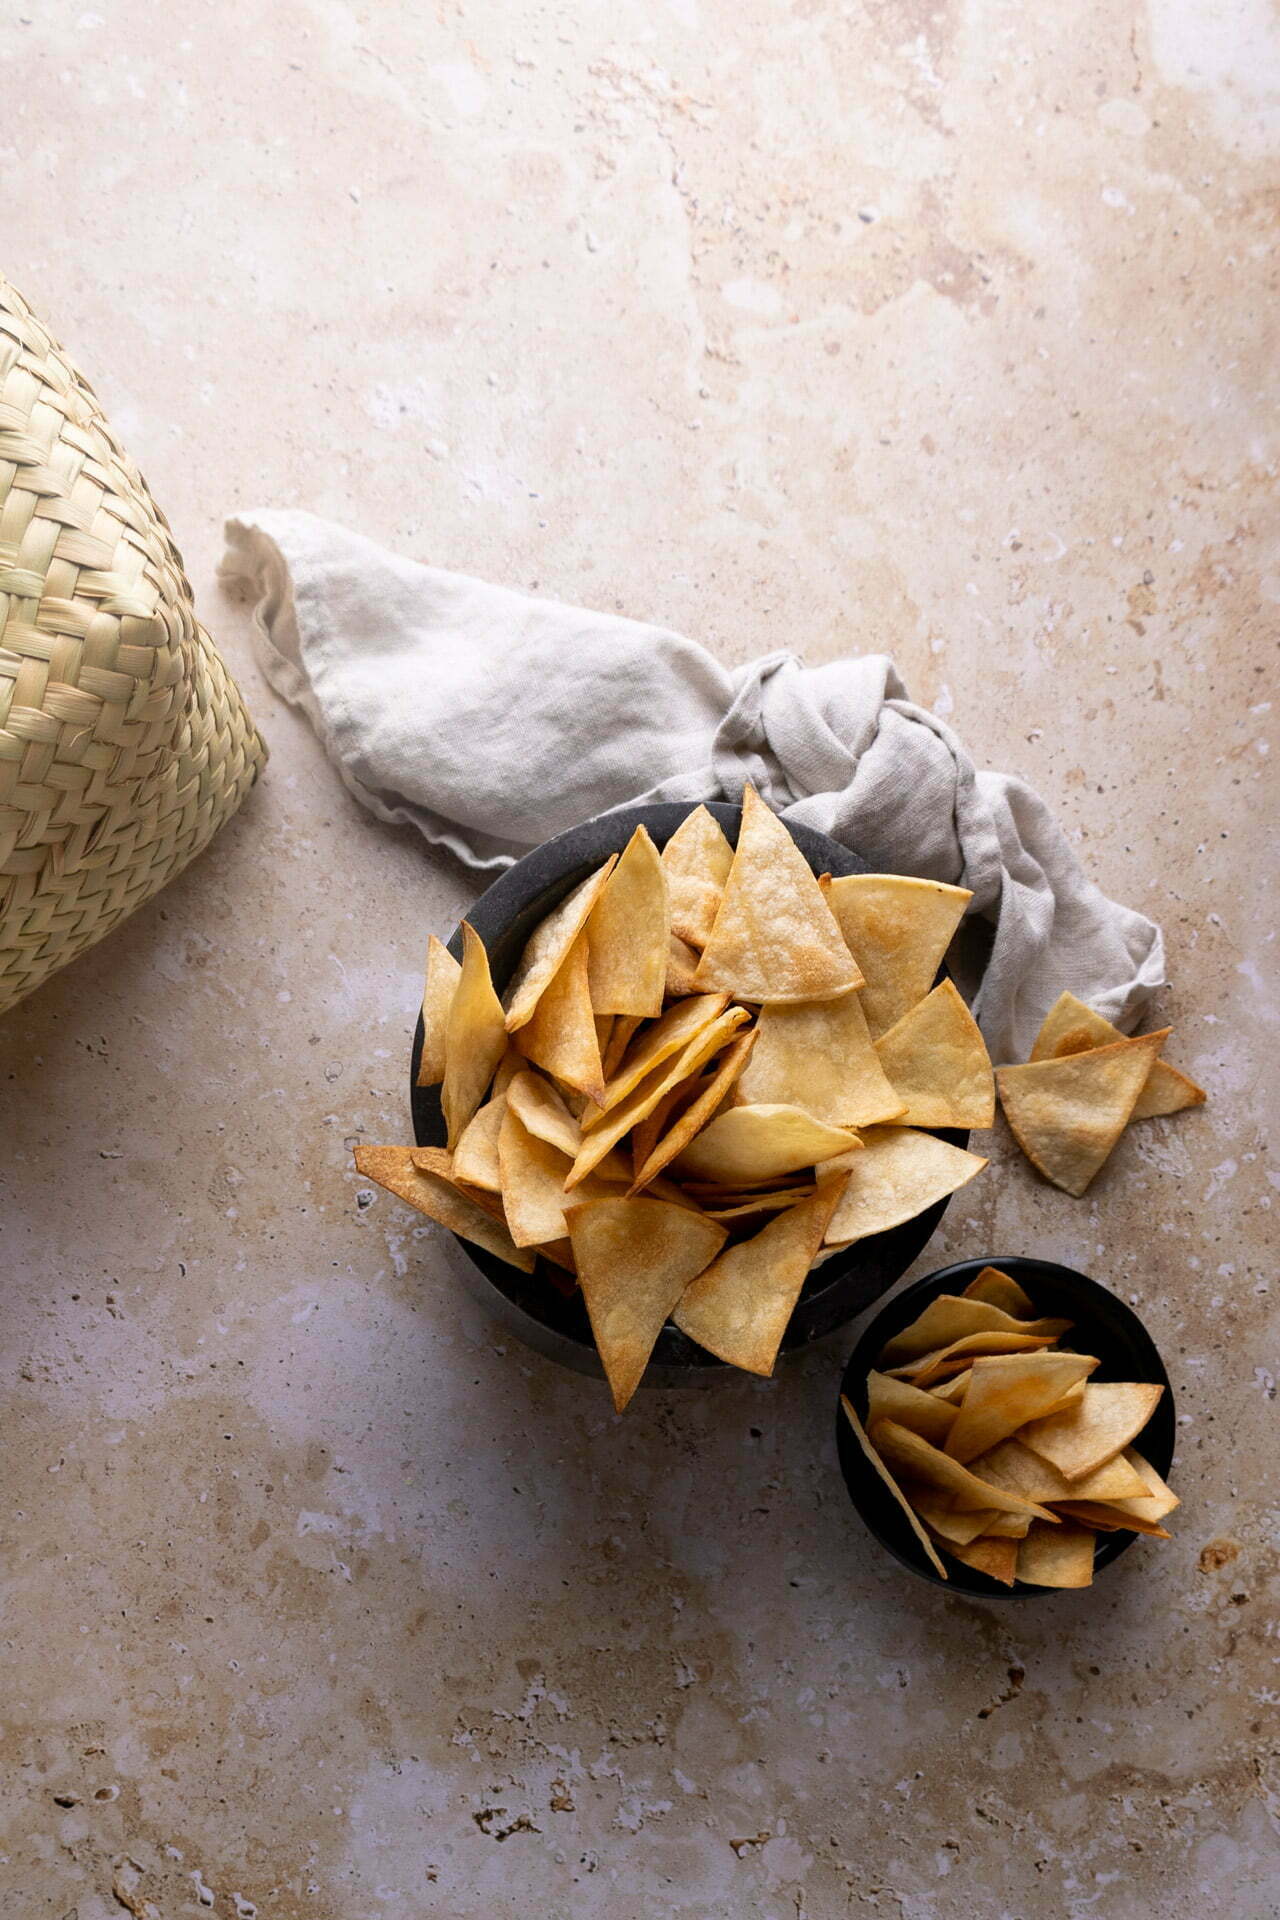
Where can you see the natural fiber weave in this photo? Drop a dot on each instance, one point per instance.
(124, 743)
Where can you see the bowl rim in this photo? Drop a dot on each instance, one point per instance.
(825, 1310)
(1157, 1438)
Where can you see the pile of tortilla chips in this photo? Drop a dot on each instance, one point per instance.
(1000, 1448)
(709, 1071)
(1080, 1089)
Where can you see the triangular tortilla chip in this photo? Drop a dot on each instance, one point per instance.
(646, 1133)
(897, 1175)
(740, 1307)
(923, 1462)
(682, 968)
(475, 1037)
(890, 1399)
(1059, 1556)
(948, 1317)
(643, 1098)
(689, 1123)
(624, 1029)
(635, 1259)
(759, 1143)
(1072, 1027)
(560, 1035)
(533, 1174)
(1068, 1114)
(926, 1545)
(393, 1168)
(1009, 1526)
(1001, 1399)
(1109, 1519)
(536, 1102)
(1011, 1465)
(948, 1523)
(998, 1290)
(627, 933)
(697, 859)
(897, 929)
(604, 1024)
(774, 937)
(953, 1389)
(1158, 1498)
(1111, 1414)
(548, 946)
(443, 974)
(667, 1036)
(927, 1368)
(991, 1555)
(936, 1061)
(475, 1158)
(817, 1054)
(741, 1209)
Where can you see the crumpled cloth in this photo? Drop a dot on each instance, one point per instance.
(491, 720)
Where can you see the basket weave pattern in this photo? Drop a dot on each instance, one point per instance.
(124, 743)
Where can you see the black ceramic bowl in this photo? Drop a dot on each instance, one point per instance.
(528, 1304)
(1103, 1326)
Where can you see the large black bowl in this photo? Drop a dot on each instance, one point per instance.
(1103, 1326)
(533, 1309)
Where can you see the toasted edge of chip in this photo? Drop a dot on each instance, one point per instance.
(926, 1545)
(429, 1193)
(443, 973)
(1108, 1518)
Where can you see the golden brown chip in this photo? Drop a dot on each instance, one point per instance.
(927, 1547)
(740, 1307)
(533, 1174)
(536, 1102)
(635, 1259)
(624, 1030)
(475, 1158)
(682, 968)
(1111, 1414)
(1059, 1556)
(1009, 1526)
(897, 929)
(948, 1317)
(443, 974)
(954, 1388)
(1000, 1399)
(936, 1061)
(689, 1123)
(927, 1368)
(998, 1290)
(1072, 1027)
(1068, 1114)
(475, 1037)
(560, 1035)
(1109, 1519)
(393, 1168)
(627, 930)
(759, 1143)
(549, 944)
(897, 1175)
(1157, 1501)
(774, 937)
(990, 1554)
(924, 1462)
(743, 1207)
(697, 859)
(948, 1523)
(643, 1098)
(678, 1026)
(604, 1028)
(1011, 1465)
(646, 1133)
(817, 1054)
(890, 1399)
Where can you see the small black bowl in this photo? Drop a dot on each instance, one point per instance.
(1103, 1326)
(529, 1305)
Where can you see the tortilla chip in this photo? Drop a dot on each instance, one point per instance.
(927, 1368)
(740, 1307)
(936, 1061)
(742, 1208)
(708, 1096)
(759, 1143)
(697, 859)
(998, 1290)
(624, 1028)
(1072, 1027)
(1068, 1114)
(817, 1054)
(948, 1317)
(677, 1027)
(1008, 1526)
(1011, 1465)
(924, 1462)
(1157, 1500)
(548, 946)
(890, 1399)
(533, 1174)
(952, 1390)
(643, 1098)
(682, 968)
(475, 1037)
(475, 1158)
(1111, 1414)
(443, 974)
(927, 1547)
(393, 1168)
(1059, 1556)
(995, 1557)
(627, 933)
(646, 1133)
(635, 1259)
(774, 937)
(897, 930)
(897, 1175)
(947, 1523)
(560, 1034)
(1000, 1399)
(604, 1024)
(1109, 1519)
(537, 1104)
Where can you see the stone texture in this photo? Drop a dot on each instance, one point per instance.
(940, 329)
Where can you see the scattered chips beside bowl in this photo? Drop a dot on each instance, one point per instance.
(1023, 1433)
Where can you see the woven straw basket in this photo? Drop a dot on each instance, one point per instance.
(124, 743)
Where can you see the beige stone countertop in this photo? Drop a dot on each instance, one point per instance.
(942, 330)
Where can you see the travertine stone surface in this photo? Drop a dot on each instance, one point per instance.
(947, 330)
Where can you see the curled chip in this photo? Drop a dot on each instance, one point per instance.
(759, 1143)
